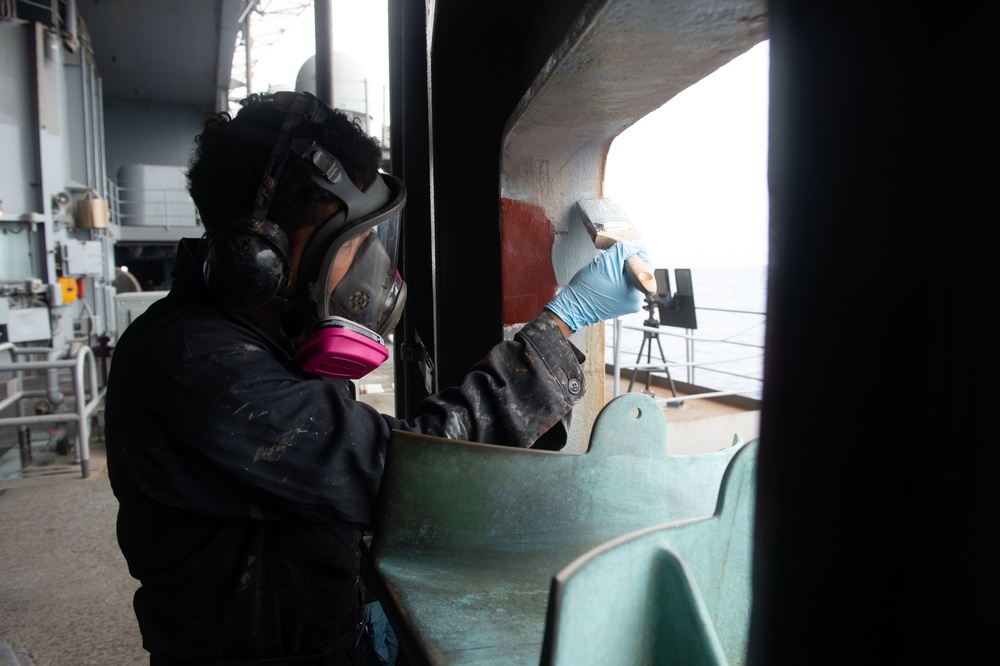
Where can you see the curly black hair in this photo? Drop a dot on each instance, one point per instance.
(231, 154)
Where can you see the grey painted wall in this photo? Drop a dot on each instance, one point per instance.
(140, 133)
(19, 170)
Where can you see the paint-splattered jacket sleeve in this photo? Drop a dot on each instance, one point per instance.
(205, 414)
(513, 396)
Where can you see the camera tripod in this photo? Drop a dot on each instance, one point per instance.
(647, 346)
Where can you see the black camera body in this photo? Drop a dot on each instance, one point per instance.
(677, 308)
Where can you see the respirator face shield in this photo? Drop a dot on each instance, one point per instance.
(350, 270)
(359, 280)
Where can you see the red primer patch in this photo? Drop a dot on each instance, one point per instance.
(529, 281)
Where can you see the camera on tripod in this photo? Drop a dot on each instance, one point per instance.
(677, 308)
(674, 309)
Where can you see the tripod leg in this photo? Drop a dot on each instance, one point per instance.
(649, 360)
(666, 367)
(638, 359)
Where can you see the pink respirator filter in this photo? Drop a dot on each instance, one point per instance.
(339, 352)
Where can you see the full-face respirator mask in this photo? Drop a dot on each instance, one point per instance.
(351, 294)
(349, 266)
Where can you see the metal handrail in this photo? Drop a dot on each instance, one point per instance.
(84, 367)
(171, 205)
(159, 203)
(691, 341)
(112, 189)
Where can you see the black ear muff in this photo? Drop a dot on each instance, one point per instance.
(245, 269)
(247, 264)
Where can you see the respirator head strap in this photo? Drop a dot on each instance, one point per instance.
(298, 108)
(248, 262)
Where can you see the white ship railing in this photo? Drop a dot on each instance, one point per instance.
(167, 208)
(711, 357)
(87, 394)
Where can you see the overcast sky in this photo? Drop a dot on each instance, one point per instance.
(358, 31)
(692, 175)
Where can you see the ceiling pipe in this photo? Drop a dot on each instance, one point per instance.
(246, 11)
(247, 53)
(72, 41)
(324, 51)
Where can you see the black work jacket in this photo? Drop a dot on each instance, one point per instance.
(244, 483)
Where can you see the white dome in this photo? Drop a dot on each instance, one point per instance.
(350, 85)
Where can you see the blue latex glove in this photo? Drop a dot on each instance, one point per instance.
(600, 290)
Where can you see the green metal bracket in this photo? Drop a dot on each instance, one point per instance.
(674, 594)
(469, 536)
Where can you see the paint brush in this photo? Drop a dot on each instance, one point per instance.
(608, 223)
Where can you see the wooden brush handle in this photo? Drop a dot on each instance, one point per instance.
(641, 274)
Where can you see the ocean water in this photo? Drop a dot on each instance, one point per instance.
(728, 345)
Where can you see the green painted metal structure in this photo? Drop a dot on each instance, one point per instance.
(469, 537)
(674, 594)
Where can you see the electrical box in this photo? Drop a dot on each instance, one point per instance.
(92, 213)
(82, 258)
(28, 325)
(70, 289)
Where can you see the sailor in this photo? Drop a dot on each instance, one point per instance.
(245, 470)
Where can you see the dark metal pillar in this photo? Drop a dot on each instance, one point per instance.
(875, 503)
(409, 159)
(324, 50)
(469, 81)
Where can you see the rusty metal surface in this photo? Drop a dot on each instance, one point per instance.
(623, 60)
(620, 60)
